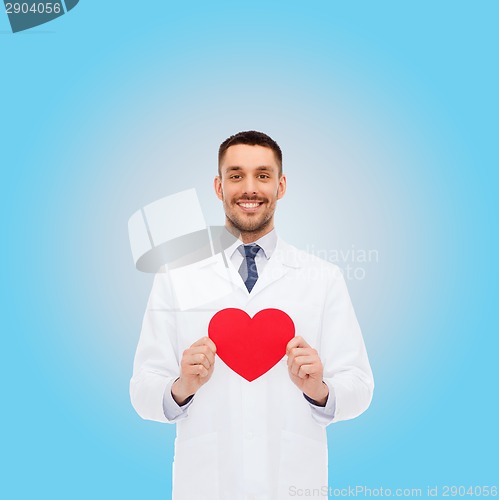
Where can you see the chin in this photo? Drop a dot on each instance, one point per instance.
(253, 227)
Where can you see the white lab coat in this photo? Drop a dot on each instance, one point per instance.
(259, 440)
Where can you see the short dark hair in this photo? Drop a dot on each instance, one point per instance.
(251, 138)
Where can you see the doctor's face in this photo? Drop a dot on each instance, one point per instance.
(249, 187)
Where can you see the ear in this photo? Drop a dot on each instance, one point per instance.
(217, 184)
(281, 188)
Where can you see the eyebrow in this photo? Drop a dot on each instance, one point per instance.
(261, 168)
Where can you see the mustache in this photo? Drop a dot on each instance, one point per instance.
(251, 198)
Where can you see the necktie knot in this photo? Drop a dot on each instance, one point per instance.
(249, 251)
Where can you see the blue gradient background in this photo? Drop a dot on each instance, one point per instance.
(387, 115)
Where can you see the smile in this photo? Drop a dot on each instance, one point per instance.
(249, 205)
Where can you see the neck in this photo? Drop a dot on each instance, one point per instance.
(249, 236)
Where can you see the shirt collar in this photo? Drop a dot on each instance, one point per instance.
(267, 242)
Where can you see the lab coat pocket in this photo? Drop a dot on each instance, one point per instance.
(303, 464)
(195, 468)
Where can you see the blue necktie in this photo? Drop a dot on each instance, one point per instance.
(248, 269)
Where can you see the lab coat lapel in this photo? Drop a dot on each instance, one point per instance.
(224, 268)
(282, 260)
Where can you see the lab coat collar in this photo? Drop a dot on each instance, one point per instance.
(284, 258)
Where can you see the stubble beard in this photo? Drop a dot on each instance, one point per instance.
(248, 225)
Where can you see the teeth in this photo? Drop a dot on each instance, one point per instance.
(249, 205)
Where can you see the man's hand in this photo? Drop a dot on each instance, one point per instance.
(306, 370)
(196, 368)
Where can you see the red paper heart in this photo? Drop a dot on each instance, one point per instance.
(251, 346)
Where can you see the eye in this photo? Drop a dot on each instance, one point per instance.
(235, 177)
(264, 176)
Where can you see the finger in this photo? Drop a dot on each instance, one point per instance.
(207, 342)
(203, 349)
(310, 364)
(301, 351)
(296, 342)
(305, 360)
(294, 367)
(199, 359)
(308, 370)
(210, 344)
(197, 370)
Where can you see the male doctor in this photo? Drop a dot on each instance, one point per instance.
(264, 439)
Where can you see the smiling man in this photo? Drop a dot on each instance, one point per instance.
(264, 439)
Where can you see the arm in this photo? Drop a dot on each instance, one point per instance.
(347, 371)
(161, 387)
(336, 380)
(156, 364)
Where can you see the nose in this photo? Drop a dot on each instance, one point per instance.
(250, 186)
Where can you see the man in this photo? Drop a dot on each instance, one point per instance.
(264, 439)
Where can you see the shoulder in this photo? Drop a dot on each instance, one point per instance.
(298, 258)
